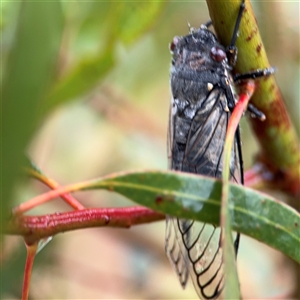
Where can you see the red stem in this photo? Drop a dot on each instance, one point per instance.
(31, 252)
(69, 199)
(34, 228)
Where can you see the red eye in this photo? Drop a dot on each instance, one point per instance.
(174, 43)
(217, 54)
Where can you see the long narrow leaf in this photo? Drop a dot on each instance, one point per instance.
(126, 22)
(28, 72)
(231, 290)
(197, 197)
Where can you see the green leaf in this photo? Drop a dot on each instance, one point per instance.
(123, 22)
(28, 70)
(135, 18)
(81, 78)
(197, 197)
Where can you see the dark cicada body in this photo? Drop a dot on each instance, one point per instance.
(202, 101)
(199, 114)
(202, 95)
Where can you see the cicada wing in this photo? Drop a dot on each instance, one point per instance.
(174, 251)
(173, 242)
(194, 247)
(202, 243)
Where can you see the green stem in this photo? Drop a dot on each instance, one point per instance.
(279, 146)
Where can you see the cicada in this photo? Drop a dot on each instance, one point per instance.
(203, 97)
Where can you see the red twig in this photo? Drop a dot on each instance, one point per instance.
(31, 252)
(246, 91)
(69, 199)
(34, 228)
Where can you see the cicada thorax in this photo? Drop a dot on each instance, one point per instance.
(199, 114)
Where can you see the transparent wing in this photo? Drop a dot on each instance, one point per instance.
(174, 251)
(196, 146)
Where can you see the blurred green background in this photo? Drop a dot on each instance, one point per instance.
(86, 93)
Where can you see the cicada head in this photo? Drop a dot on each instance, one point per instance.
(200, 50)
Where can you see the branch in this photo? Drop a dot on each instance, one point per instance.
(34, 228)
(279, 146)
(31, 253)
(69, 199)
